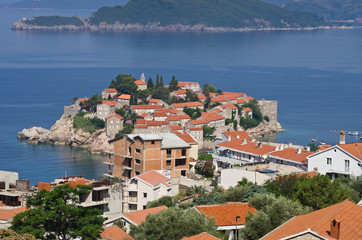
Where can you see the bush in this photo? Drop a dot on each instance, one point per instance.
(87, 124)
(248, 122)
(266, 118)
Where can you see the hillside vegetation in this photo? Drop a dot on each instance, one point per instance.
(216, 13)
(54, 21)
(329, 9)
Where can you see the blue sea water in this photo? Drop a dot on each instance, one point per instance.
(316, 76)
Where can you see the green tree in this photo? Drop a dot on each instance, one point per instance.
(205, 168)
(174, 84)
(283, 185)
(354, 185)
(193, 113)
(92, 102)
(253, 189)
(127, 129)
(74, 99)
(208, 131)
(236, 194)
(209, 198)
(161, 82)
(162, 93)
(124, 83)
(319, 192)
(165, 200)
(173, 224)
(150, 84)
(191, 97)
(208, 88)
(157, 81)
(56, 214)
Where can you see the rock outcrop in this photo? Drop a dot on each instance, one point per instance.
(264, 128)
(63, 133)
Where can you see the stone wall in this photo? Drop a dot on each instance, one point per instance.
(269, 108)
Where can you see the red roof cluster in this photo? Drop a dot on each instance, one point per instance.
(248, 147)
(187, 104)
(237, 134)
(212, 116)
(178, 92)
(219, 99)
(183, 84)
(146, 106)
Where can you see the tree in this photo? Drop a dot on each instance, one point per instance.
(236, 194)
(283, 185)
(205, 168)
(124, 84)
(173, 224)
(191, 97)
(253, 189)
(193, 113)
(74, 99)
(208, 131)
(162, 93)
(150, 84)
(161, 82)
(157, 81)
(319, 192)
(208, 88)
(127, 129)
(56, 214)
(209, 198)
(173, 84)
(92, 102)
(165, 200)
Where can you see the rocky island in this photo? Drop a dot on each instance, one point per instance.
(187, 15)
(129, 105)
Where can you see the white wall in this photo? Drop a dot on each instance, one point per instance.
(231, 177)
(8, 177)
(338, 156)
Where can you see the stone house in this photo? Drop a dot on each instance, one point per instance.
(140, 109)
(114, 123)
(124, 99)
(202, 98)
(194, 105)
(72, 110)
(179, 93)
(196, 123)
(158, 102)
(144, 188)
(219, 99)
(135, 154)
(159, 116)
(141, 85)
(247, 113)
(109, 92)
(229, 110)
(192, 86)
(106, 108)
(214, 119)
(197, 133)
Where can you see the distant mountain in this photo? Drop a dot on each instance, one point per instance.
(68, 4)
(328, 9)
(184, 15)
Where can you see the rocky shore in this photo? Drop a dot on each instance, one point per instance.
(264, 128)
(152, 27)
(63, 133)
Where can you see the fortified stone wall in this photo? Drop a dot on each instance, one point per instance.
(269, 108)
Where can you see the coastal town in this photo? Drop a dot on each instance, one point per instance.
(193, 156)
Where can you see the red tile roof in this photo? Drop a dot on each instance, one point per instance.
(154, 178)
(233, 94)
(115, 115)
(225, 214)
(201, 96)
(154, 101)
(201, 236)
(110, 90)
(5, 214)
(187, 104)
(247, 109)
(187, 138)
(353, 148)
(109, 103)
(140, 82)
(140, 121)
(146, 106)
(347, 213)
(236, 134)
(140, 216)
(43, 185)
(212, 94)
(240, 101)
(124, 96)
(178, 92)
(249, 147)
(292, 154)
(231, 106)
(143, 115)
(115, 233)
(82, 99)
(324, 147)
(250, 98)
(212, 116)
(219, 99)
(78, 181)
(160, 114)
(140, 126)
(201, 121)
(156, 123)
(183, 84)
(217, 109)
(175, 127)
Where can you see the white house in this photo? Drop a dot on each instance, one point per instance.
(341, 159)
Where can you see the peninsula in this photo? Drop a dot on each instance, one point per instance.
(135, 106)
(186, 15)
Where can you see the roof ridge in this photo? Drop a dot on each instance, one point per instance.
(358, 150)
(336, 210)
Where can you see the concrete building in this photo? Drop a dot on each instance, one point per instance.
(197, 133)
(230, 177)
(290, 156)
(341, 159)
(109, 92)
(144, 188)
(114, 123)
(138, 153)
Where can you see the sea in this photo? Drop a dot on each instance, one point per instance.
(316, 77)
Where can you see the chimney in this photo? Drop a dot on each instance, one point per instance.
(282, 147)
(315, 170)
(260, 145)
(308, 149)
(299, 151)
(237, 136)
(244, 142)
(335, 229)
(342, 137)
(229, 138)
(290, 144)
(276, 148)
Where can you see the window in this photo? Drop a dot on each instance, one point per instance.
(137, 172)
(152, 142)
(183, 173)
(144, 206)
(138, 150)
(168, 152)
(144, 195)
(129, 151)
(183, 152)
(180, 162)
(168, 162)
(329, 161)
(346, 165)
(138, 161)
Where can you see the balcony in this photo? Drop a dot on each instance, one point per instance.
(95, 203)
(109, 163)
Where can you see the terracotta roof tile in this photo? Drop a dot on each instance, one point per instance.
(217, 109)
(157, 123)
(77, 181)
(212, 94)
(201, 121)
(347, 213)
(5, 214)
(201, 236)
(154, 178)
(187, 104)
(159, 114)
(140, 82)
(248, 147)
(140, 216)
(140, 126)
(140, 121)
(110, 90)
(212, 116)
(183, 84)
(124, 96)
(178, 92)
(170, 110)
(115, 233)
(195, 129)
(231, 106)
(143, 115)
(292, 154)
(146, 106)
(250, 98)
(175, 127)
(187, 138)
(247, 109)
(233, 94)
(239, 101)
(115, 115)
(324, 147)
(201, 96)
(109, 103)
(154, 101)
(225, 214)
(236, 134)
(353, 148)
(219, 99)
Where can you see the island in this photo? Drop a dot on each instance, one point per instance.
(130, 105)
(186, 15)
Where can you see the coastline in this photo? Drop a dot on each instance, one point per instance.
(154, 27)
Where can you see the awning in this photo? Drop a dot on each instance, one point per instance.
(221, 149)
